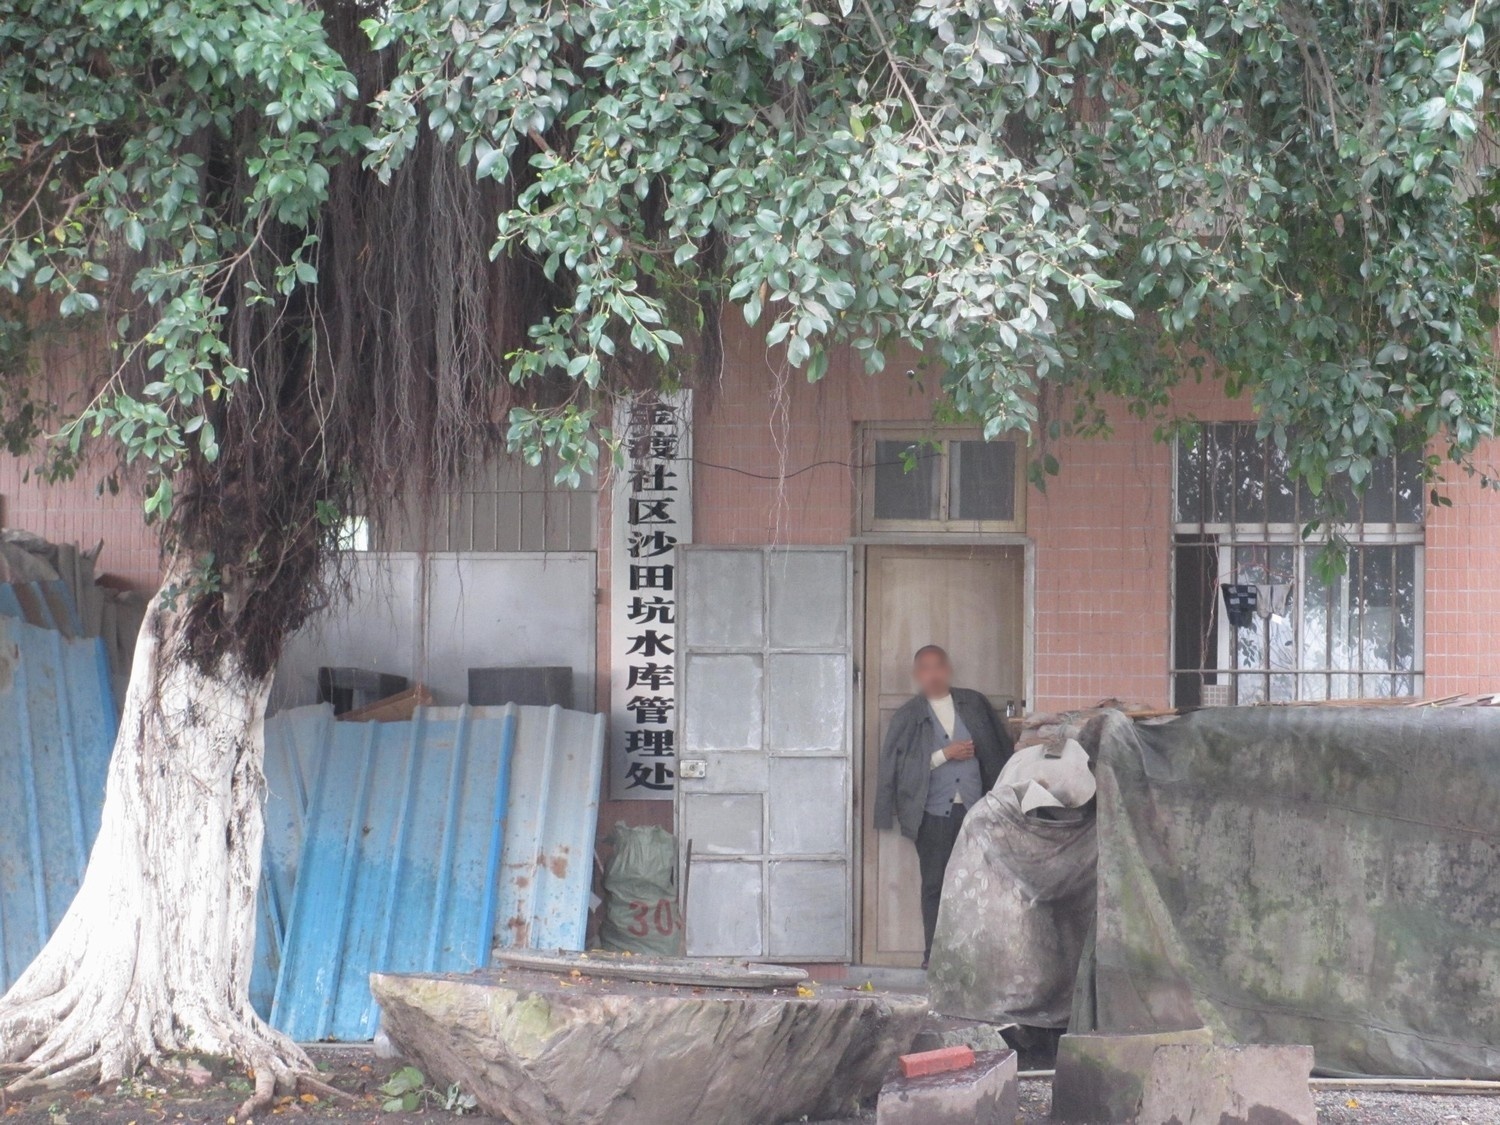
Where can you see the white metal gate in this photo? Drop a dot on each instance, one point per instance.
(764, 786)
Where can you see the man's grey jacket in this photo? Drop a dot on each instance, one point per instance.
(906, 756)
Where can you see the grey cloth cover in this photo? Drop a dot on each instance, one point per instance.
(1018, 901)
(1304, 875)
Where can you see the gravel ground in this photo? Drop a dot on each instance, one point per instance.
(1335, 1107)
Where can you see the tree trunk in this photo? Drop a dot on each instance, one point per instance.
(155, 953)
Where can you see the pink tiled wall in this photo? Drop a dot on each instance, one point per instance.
(1101, 529)
(78, 511)
(1463, 588)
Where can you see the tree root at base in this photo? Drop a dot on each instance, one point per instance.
(277, 1065)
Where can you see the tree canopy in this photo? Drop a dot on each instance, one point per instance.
(333, 242)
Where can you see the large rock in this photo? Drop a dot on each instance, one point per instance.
(543, 1049)
(1249, 1085)
(1099, 1079)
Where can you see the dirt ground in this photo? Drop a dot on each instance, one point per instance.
(195, 1093)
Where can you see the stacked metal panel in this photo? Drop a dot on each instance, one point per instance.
(57, 730)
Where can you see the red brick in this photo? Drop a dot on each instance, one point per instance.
(940, 1061)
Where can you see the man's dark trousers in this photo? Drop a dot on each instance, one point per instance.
(935, 840)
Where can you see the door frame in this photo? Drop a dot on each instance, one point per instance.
(857, 588)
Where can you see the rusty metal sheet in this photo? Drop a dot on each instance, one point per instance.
(546, 869)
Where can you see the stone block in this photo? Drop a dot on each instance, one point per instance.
(1211, 1085)
(1100, 1078)
(983, 1094)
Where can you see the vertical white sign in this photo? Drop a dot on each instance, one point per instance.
(652, 514)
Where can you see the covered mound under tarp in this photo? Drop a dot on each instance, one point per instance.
(1304, 875)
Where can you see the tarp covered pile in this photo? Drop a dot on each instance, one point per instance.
(1321, 875)
(1305, 875)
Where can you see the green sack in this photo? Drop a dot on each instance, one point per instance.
(640, 894)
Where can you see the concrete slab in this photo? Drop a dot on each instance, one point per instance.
(1211, 1085)
(1100, 1078)
(984, 1094)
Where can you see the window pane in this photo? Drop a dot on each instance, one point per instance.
(1249, 690)
(1411, 501)
(1249, 476)
(1281, 497)
(1219, 503)
(1343, 625)
(1197, 624)
(1192, 448)
(983, 480)
(1405, 597)
(1343, 687)
(1380, 491)
(1372, 606)
(1355, 634)
(901, 494)
(1280, 611)
(1315, 617)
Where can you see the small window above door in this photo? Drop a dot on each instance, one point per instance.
(940, 480)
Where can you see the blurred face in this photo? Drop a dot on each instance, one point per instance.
(934, 675)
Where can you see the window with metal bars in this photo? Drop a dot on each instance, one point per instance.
(1254, 619)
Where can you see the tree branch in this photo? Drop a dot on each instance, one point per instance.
(890, 57)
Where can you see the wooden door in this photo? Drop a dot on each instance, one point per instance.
(971, 601)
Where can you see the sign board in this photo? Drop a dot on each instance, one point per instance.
(652, 513)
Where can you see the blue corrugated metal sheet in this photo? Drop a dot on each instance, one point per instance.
(405, 845)
(547, 867)
(399, 867)
(57, 730)
(293, 751)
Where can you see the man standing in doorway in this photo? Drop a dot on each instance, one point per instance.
(943, 751)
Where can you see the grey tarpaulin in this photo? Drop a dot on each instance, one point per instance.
(1017, 903)
(1304, 875)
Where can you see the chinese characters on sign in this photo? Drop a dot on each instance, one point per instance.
(653, 514)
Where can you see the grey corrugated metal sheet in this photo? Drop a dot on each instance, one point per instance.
(57, 730)
(399, 850)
